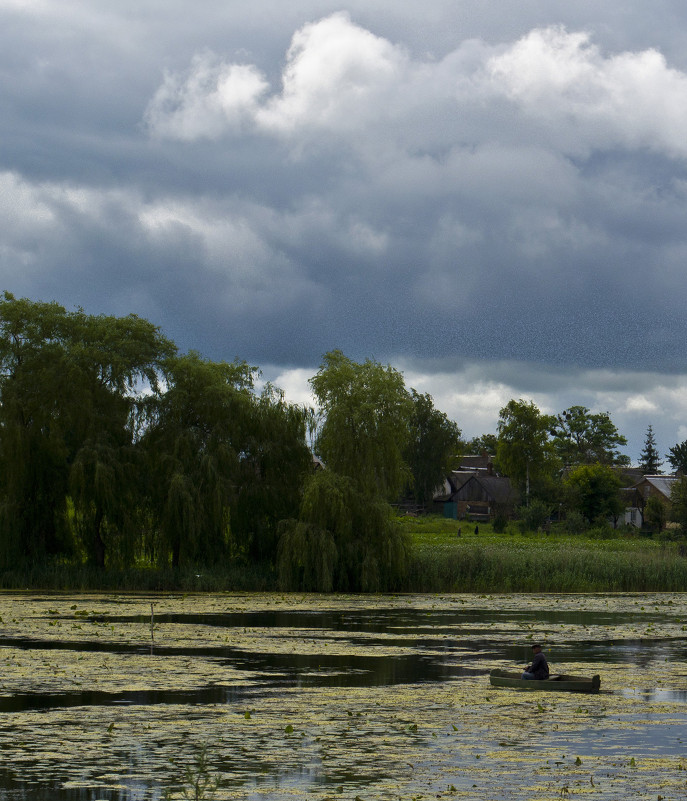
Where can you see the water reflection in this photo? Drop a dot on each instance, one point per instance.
(378, 648)
(386, 620)
(13, 790)
(430, 646)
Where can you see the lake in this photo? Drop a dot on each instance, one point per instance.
(265, 696)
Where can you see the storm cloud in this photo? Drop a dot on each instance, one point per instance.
(493, 202)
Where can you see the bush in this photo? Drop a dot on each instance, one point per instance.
(499, 523)
(574, 523)
(602, 531)
(534, 516)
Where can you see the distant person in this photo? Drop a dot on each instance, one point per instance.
(476, 530)
(539, 669)
(460, 530)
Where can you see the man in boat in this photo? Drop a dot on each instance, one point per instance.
(539, 669)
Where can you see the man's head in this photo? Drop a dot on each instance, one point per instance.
(536, 648)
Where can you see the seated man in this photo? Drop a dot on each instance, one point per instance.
(539, 669)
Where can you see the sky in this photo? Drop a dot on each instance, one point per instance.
(491, 197)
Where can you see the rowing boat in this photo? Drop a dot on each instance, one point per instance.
(557, 682)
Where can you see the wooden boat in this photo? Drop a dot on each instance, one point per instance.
(559, 682)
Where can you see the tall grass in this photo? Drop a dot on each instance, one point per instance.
(440, 561)
(509, 567)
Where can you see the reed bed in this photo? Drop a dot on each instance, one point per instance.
(547, 567)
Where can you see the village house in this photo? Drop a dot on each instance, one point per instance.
(638, 494)
(474, 491)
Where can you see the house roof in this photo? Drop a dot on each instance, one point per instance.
(457, 478)
(476, 462)
(498, 488)
(662, 484)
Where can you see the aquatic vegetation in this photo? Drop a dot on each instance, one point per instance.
(377, 697)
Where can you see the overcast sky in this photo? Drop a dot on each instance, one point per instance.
(492, 197)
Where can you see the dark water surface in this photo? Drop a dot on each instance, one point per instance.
(437, 649)
(404, 647)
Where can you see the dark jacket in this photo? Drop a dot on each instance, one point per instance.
(539, 667)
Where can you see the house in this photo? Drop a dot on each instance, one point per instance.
(479, 495)
(638, 494)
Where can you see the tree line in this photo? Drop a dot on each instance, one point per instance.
(571, 463)
(118, 450)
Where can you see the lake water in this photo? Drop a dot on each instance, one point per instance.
(383, 697)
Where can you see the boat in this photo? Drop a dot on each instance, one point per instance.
(558, 682)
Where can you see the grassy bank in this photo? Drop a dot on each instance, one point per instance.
(476, 561)
(515, 562)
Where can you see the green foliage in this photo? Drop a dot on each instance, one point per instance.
(534, 516)
(68, 386)
(194, 448)
(485, 443)
(678, 507)
(199, 783)
(343, 539)
(113, 448)
(275, 462)
(596, 491)
(524, 452)
(677, 456)
(580, 437)
(433, 444)
(345, 536)
(574, 522)
(500, 522)
(649, 460)
(365, 411)
(655, 513)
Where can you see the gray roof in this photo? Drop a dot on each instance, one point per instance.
(498, 488)
(662, 484)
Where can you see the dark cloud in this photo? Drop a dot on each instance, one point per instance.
(502, 187)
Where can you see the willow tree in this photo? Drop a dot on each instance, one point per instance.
(194, 448)
(345, 520)
(67, 389)
(275, 462)
(343, 540)
(117, 358)
(365, 412)
(33, 449)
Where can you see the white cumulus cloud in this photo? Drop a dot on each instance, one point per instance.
(552, 85)
(632, 98)
(213, 98)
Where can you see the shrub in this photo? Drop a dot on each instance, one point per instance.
(574, 523)
(534, 516)
(499, 523)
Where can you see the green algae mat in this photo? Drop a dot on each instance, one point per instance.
(263, 696)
